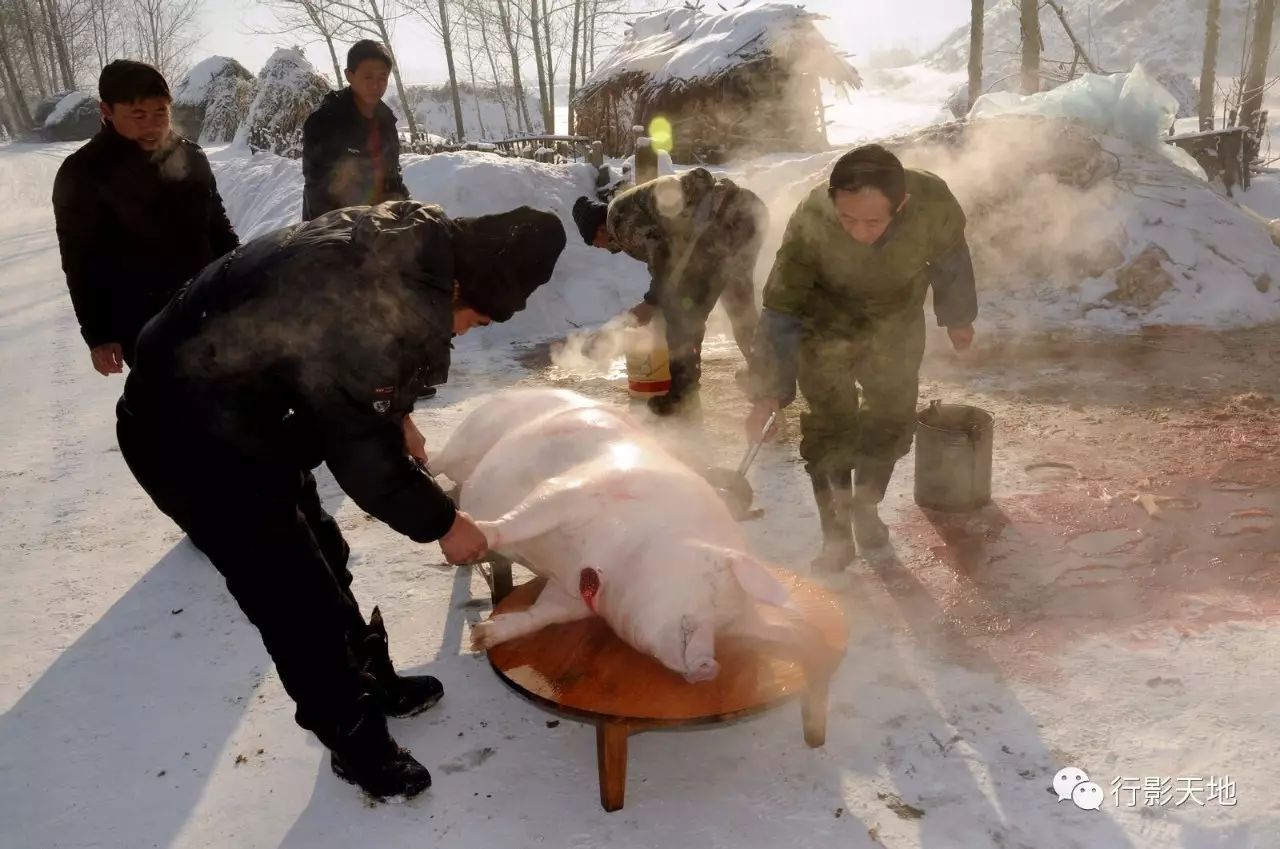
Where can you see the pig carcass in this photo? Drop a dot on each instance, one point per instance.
(576, 492)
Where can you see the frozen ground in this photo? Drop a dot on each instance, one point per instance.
(1061, 626)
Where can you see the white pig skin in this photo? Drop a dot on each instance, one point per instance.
(563, 484)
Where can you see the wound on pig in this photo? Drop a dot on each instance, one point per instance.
(589, 586)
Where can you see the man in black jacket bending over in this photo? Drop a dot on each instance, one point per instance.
(350, 148)
(309, 345)
(137, 213)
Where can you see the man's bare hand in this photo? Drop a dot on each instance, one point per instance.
(758, 417)
(414, 442)
(643, 312)
(961, 337)
(108, 358)
(464, 543)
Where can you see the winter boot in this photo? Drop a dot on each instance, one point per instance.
(831, 492)
(397, 695)
(872, 481)
(364, 754)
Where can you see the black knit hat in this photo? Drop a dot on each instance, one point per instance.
(128, 81)
(589, 215)
(499, 260)
(870, 167)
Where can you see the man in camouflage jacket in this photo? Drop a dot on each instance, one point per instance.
(843, 316)
(699, 235)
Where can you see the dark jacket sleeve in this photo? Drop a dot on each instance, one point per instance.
(955, 297)
(775, 357)
(395, 187)
(86, 258)
(364, 449)
(317, 165)
(955, 300)
(222, 236)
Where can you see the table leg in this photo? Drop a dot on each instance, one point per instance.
(813, 712)
(611, 756)
(502, 580)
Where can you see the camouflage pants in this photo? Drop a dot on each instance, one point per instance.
(724, 275)
(862, 390)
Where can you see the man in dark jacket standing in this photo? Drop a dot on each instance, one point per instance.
(137, 212)
(350, 149)
(309, 345)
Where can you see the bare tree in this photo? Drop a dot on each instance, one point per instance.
(573, 61)
(976, 11)
(436, 15)
(166, 31)
(470, 57)
(1030, 26)
(1209, 70)
(13, 83)
(511, 34)
(1259, 52)
(322, 20)
(539, 62)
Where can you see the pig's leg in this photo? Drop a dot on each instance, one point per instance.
(552, 606)
(547, 509)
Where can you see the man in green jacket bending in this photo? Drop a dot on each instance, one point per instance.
(844, 316)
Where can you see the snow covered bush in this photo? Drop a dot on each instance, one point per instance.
(212, 100)
(288, 90)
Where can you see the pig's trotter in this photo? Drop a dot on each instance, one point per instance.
(552, 606)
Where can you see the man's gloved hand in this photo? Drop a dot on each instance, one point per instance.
(643, 312)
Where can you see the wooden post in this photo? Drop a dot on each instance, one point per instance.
(611, 757)
(813, 712)
(502, 580)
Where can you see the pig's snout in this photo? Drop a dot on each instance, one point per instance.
(704, 669)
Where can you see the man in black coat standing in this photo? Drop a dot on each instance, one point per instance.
(137, 211)
(310, 345)
(350, 148)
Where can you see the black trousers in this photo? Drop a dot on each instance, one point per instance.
(283, 558)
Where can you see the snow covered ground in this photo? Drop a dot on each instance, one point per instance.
(1063, 626)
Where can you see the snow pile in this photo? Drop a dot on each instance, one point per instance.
(287, 91)
(75, 117)
(1070, 227)
(1168, 38)
(1132, 106)
(67, 105)
(686, 46)
(212, 100)
(264, 193)
(486, 112)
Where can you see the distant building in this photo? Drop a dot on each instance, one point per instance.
(745, 81)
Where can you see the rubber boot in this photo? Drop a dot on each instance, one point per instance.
(871, 482)
(363, 753)
(831, 493)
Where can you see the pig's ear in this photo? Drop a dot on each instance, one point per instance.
(756, 579)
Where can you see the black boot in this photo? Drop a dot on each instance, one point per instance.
(363, 753)
(872, 481)
(832, 494)
(398, 695)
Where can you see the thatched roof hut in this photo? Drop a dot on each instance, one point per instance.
(746, 80)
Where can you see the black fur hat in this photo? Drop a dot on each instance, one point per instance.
(499, 260)
(589, 215)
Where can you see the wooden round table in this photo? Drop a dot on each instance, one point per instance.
(582, 669)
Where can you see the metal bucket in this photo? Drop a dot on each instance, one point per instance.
(953, 457)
